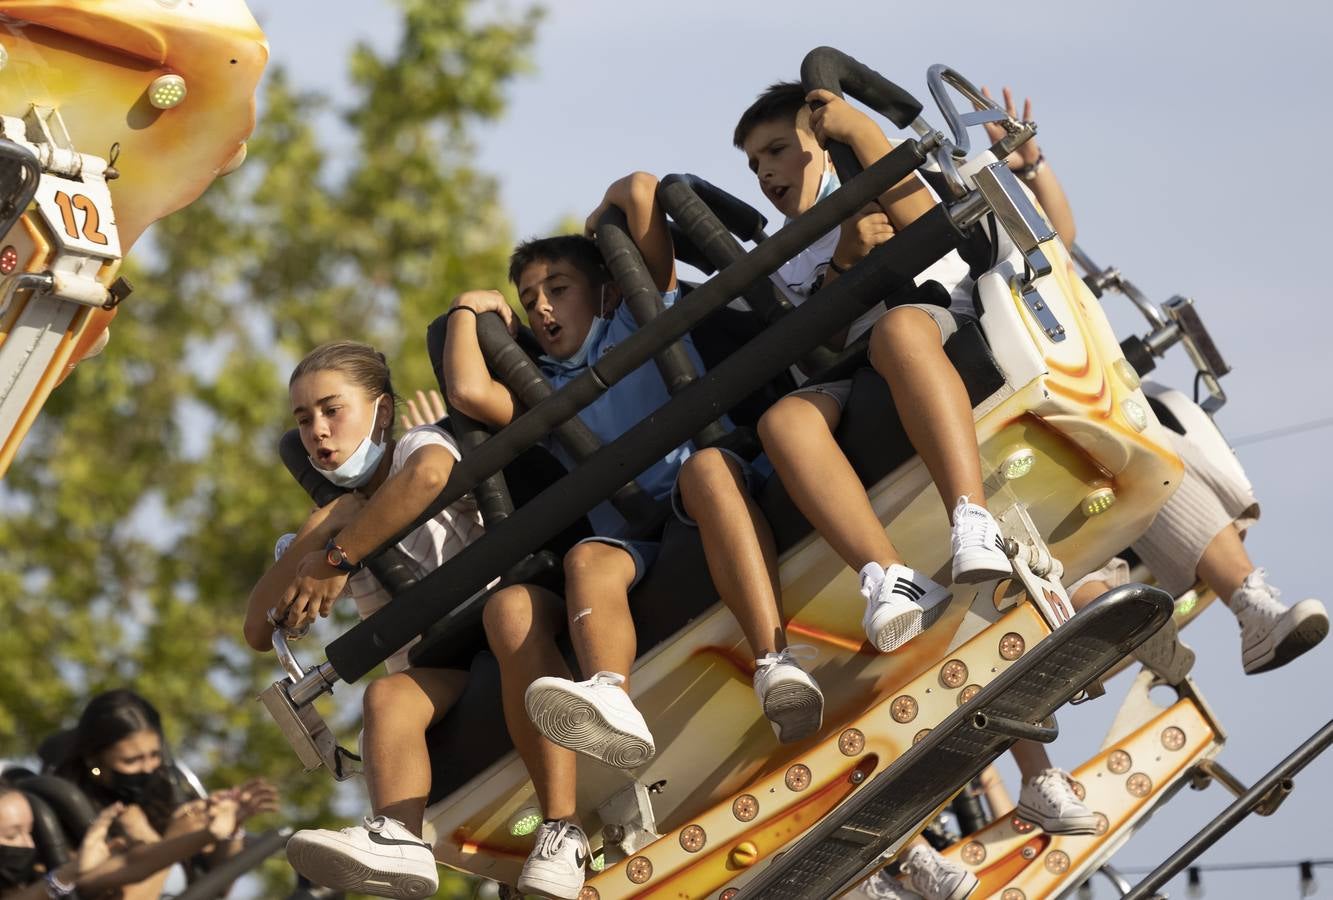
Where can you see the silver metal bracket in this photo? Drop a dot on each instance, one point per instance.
(1206, 771)
(629, 824)
(1039, 571)
(291, 703)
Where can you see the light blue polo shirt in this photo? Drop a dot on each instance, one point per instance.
(623, 406)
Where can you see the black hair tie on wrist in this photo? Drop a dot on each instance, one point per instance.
(835, 267)
(459, 308)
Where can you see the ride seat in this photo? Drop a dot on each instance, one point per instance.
(678, 588)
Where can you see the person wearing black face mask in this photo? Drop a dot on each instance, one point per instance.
(116, 754)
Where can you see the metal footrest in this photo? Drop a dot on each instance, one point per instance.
(828, 857)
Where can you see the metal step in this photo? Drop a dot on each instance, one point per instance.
(848, 843)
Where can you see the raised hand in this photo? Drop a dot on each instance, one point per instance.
(836, 119)
(429, 411)
(1029, 152)
(95, 849)
(134, 823)
(256, 796)
(223, 816)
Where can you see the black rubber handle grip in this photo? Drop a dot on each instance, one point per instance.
(389, 566)
(825, 68)
(741, 219)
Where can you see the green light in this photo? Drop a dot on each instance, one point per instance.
(1185, 605)
(1098, 502)
(1018, 464)
(166, 91)
(525, 823)
(598, 863)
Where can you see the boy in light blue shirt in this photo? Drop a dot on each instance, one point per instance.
(576, 313)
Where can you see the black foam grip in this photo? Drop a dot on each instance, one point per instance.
(390, 566)
(1138, 354)
(645, 303)
(71, 806)
(741, 219)
(825, 68)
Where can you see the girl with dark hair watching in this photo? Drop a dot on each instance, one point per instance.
(117, 756)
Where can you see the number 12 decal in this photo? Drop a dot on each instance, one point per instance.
(91, 219)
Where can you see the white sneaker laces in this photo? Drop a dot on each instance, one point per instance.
(793, 654)
(1261, 597)
(969, 528)
(553, 838)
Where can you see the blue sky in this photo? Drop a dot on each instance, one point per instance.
(1189, 137)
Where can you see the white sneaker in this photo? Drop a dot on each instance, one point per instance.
(1049, 801)
(936, 878)
(380, 857)
(978, 546)
(594, 717)
(790, 698)
(556, 864)
(900, 604)
(882, 886)
(1272, 635)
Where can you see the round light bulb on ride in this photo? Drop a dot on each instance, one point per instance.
(1128, 374)
(1098, 501)
(1135, 414)
(1018, 464)
(525, 822)
(166, 91)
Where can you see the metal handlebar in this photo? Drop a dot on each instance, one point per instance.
(939, 78)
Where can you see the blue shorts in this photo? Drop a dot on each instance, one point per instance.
(644, 553)
(756, 474)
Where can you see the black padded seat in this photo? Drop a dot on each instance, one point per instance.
(678, 588)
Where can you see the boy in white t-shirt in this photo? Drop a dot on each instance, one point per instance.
(343, 403)
(782, 140)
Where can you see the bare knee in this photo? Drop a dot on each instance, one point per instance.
(590, 559)
(384, 695)
(707, 477)
(510, 619)
(788, 416)
(903, 332)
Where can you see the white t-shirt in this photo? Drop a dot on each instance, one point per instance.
(799, 274)
(426, 548)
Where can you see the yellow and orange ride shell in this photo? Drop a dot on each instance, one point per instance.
(730, 796)
(93, 62)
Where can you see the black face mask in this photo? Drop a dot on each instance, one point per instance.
(133, 787)
(18, 866)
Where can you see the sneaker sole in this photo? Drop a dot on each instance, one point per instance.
(1054, 826)
(332, 868)
(546, 888)
(577, 725)
(965, 888)
(898, 629)
(1305, 635)
(796, 711)
(980, 567)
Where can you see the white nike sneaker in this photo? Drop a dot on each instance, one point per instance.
(900, 604)
(556, 864)
(1048, 800)
(790, 698)
(380, 857)
(934, 877)
(978, 546)
(595, 717)
(1272, 635)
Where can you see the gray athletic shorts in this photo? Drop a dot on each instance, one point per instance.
(841, 390)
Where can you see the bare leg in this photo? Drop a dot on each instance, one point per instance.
(932, 402)
(521, 624)
(597, 580)
(997, 795)
(397, 711)
(1087, 593)
(1225, 563)
(1031, 757)
(738, 544)
(797, 434)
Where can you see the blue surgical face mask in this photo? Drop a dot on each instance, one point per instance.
(828, 183)
(579, 359)
(358, 468)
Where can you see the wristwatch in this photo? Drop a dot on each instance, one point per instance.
(337, 557)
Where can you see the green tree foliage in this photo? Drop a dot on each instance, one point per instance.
(147, 498)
